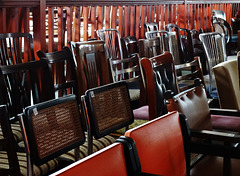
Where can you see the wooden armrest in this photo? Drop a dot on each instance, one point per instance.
(216, 135)
(227, 112)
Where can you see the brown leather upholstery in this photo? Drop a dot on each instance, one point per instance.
(227, 81)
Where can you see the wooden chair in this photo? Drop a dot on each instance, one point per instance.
(108, 109)
(16, 48)
(112, 39)
(63, 71)
(92, 64)
(205, 124)
(129, 70)
(159, 75)
(186, 74)
(163, 35)
(130, 46)
(8, 154)
(149, 47)
(51, 129)
(227, 82)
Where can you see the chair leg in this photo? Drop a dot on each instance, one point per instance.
(226, 166)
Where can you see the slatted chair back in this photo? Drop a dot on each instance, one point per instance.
(63, 71)
(108, 109)
(149, 47)
(151, 26)
(16, 48)
(160, 78)
(163, 35)
(52, 128)
(112, 39)
(215, 49)
(27, 83)
(129, 70)
(160, 146)
(92, 65)
(188, 73)
(8, 146)
(130, 46)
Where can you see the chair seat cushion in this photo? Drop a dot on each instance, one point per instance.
(16, 130)
(38, 170)
(230, 123)
(134, 94)
(141, 113)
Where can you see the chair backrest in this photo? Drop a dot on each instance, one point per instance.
(107, 108)
(227, 81)
(177, 47)
(188, 73)
(219, 14)
(63, 71)
(27, 83)
(16, 48)
(8, 144)
(163, 35)
(160, 146)
(130, 46)
(112, 39)
(93, 68)
(149, 47)
(159, 74)
(52, 128)
(151, 26)
(106, 162)
(129, 70)
(193, 104)
(215, 49)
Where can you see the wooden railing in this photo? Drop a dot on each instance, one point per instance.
(55, 22)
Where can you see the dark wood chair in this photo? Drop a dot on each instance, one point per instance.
(149, 47)
(8, 154)
(160, 79)
(129, 46)
(63, 71)
(92, 64)
(16, 48)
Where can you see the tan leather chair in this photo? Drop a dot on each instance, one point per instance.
(227, 82)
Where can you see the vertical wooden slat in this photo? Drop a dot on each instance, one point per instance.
(107, 17)
(61, 28)
(100, 17)
(162, 16)
(76, 25)
(50, 29)
(85, 23)
(120, 20)
(132, 20)
(69, 20)
(3, 20)
(126, 21)
(93, 22)
(114, 17)
(157, 11)
(153, 14)
(142, 32)
(137, 34)
(148, 14)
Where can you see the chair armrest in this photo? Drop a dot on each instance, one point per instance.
(216, 135)
(227, 112)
